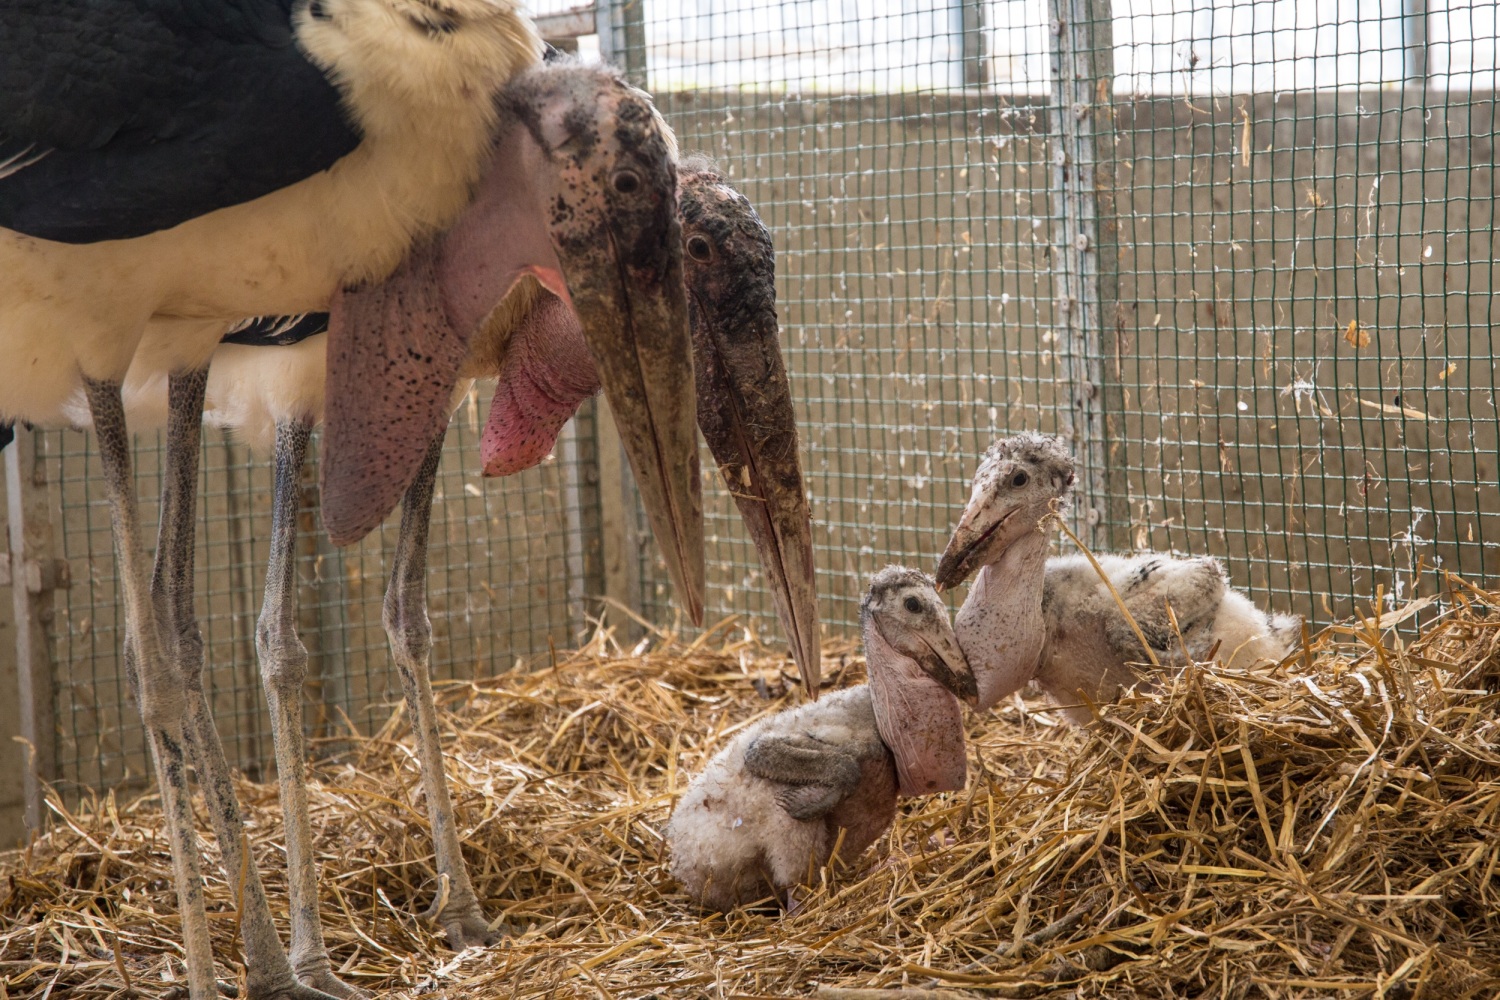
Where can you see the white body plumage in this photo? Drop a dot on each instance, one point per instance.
(423, 102)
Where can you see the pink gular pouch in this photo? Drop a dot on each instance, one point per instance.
(547, 373)
(919, 719)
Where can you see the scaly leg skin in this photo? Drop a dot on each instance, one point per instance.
(410, 633)
(163, 702)
(283, 667)
(268, 973)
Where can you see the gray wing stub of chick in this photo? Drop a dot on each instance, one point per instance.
(815, 777)
(744, 832)
(1194, 588)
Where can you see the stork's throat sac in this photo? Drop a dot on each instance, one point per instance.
(918, 719)
(548, 372)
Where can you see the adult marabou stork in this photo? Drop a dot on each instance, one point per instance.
(182, 164)
(266, 383)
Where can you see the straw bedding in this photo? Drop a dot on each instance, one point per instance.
(1326, 828)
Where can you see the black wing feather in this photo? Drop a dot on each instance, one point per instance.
(152, 112)
(277, 331)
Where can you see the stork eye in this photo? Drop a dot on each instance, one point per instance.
(700, 249)
(627, 182)
(913, 605)
(1019, 479)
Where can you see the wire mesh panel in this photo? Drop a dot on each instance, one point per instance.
(911, 219)
(504, 581)
(1296, 212)
(1304, 344)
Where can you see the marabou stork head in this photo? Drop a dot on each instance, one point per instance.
(581, 194)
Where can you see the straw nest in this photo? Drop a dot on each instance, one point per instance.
(1326, 828)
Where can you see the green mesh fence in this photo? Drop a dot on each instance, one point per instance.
(1283, 354)
(506, 578)
(1292, 330)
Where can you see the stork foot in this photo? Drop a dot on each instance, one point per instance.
(463, 923)
(469, 931)
(325, 982)
(291, 991)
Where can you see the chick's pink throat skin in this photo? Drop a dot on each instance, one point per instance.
(919, 720)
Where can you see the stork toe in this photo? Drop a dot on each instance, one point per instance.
(325, 983)
(470, 930)
(296, 991)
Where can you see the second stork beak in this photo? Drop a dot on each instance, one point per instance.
(745, 399)
(614, 223)
(949, 667)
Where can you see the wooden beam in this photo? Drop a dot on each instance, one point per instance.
(36, 575)
(1084, 260)
(620, 539)
(568, 25)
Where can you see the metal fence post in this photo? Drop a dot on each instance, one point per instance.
(1414, 31)
(975, 50)
(35, 574)
(621, 26)
(1084, 264)
(587, 543)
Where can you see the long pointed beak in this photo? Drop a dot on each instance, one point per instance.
(745, 399)
(982, 531)
(745, 411)
(614, 224)
(637, 333)
(944, 662)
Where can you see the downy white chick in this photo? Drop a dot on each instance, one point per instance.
(1054, 621)
(767, 811)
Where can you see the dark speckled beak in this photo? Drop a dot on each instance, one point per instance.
(986, 529)
(619, 243)
(745, 400)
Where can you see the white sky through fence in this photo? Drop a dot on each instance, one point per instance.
(1161, 46)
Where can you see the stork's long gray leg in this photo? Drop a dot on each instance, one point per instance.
(163, 702)
(268, 972)
(283, 667)
(410, 633)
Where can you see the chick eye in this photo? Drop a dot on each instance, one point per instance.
(627, 182)
(1019, 479)
(913, 605)
(700, 249)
